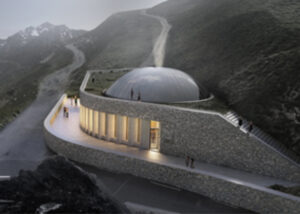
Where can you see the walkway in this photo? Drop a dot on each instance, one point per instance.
(159, 48)
(263, 137)
(68, 129)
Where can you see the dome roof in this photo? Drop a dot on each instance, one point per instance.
(157, 85)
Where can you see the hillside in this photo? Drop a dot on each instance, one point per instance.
(245, 52)
(123, 40)
(25, 59)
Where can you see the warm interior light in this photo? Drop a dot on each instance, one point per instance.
(102, 124)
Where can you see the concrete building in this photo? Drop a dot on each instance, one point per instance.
(151, 85)
(136, 127)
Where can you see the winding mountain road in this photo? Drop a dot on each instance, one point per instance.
(20, 141)
(159, 49)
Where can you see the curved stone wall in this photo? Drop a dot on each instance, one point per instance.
(205, 136)
(220, 188)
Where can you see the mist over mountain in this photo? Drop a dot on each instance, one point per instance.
(245, 52)
(25, 58)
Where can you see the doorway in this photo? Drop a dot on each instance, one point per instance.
(155, 136)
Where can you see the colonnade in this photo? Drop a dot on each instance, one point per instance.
(132, 131)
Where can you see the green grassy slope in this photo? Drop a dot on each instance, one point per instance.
(22, 87)
(123, 40)
(245, 52)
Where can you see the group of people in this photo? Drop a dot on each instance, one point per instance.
(190, 162)
(75, 100)
(132, 95)
(250, 127)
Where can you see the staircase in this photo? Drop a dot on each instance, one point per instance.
(263, 137)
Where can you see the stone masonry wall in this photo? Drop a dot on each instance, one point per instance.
(255, 198)
(205, 136)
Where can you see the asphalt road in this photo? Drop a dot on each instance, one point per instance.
(22, 144)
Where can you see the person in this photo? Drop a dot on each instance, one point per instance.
(240, 122)
(65, 110)
(192, 163)
(131, 93)
(250, 128)
(93, 79)
(187, 161)
(75, 100)
(139, 97)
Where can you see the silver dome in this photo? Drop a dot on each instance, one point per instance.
(157, 85)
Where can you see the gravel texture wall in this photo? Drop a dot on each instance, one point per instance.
(258, 199)
(206, 136)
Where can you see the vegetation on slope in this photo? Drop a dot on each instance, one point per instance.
(23, 86)
(124, 40)
(246, 53)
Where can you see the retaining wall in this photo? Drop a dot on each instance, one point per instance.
(220, 188)
(203, 135)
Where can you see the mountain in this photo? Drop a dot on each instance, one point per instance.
(25, 59)
(31, 45)
(124, 40)
(245, 52)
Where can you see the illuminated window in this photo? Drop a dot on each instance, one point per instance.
(133, 129)
(90, 121)
(155, 135)
(86, 125)
(102, 124)
(111, 127)
(96, 123)
(124, 128)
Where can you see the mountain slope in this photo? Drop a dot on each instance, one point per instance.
(124, 40)
(25, 59)
(245, 52)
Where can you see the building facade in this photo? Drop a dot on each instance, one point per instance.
(204, 135)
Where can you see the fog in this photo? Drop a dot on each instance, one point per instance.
(16, 15)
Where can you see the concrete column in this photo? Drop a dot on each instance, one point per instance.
(132, 135)
(102, 124)
(145, 134)
(120, 128)
(95, 123)
(111, 126)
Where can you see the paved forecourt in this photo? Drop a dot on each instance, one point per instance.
(64, 136)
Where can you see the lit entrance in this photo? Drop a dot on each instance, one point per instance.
(155, 135)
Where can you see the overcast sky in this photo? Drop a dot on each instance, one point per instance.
(15, 15)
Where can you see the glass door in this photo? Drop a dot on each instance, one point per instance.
(155, 136)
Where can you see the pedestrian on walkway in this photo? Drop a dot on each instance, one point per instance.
(250, 128)
(240, 122)
(139, 96)
(65, 111)
(187, 161)
(192, 163)
(131, 94)
(76, 100)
